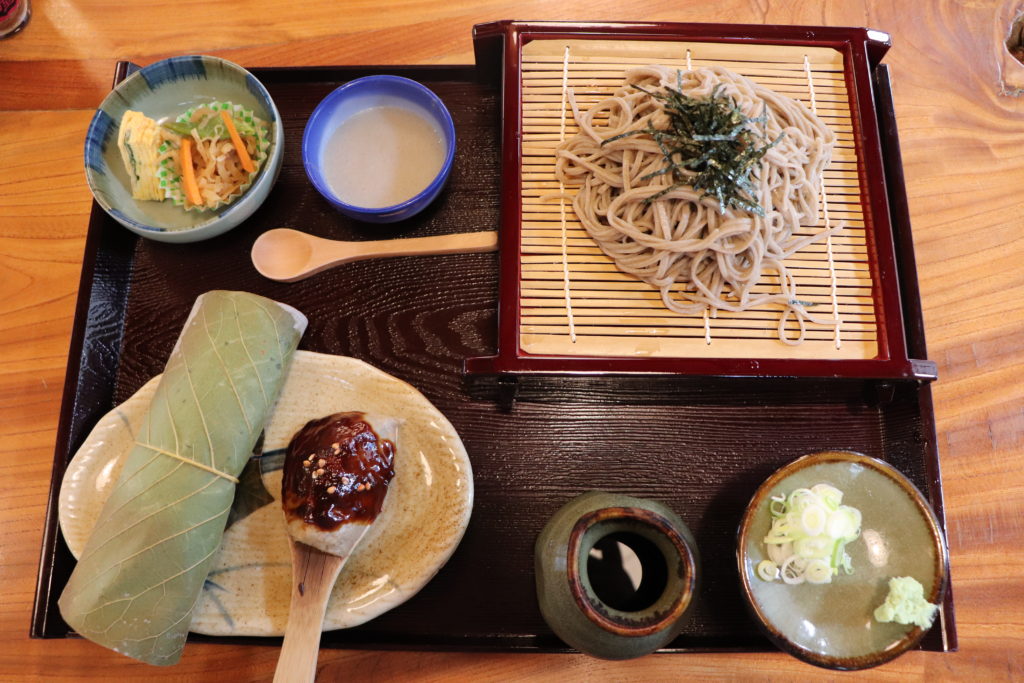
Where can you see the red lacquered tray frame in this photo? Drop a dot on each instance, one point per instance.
(498, 47)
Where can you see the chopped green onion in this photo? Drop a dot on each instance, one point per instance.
(818, 571)
(767, 570)
(812, 520)
(793, 570)
(809, 532)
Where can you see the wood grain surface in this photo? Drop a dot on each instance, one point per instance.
(961, 143)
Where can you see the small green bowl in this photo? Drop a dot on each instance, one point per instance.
(166, 89)
(568, 594)
(832, 625)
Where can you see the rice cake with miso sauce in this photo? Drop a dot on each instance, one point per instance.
(336, 475)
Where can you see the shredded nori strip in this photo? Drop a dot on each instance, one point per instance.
(711, 137)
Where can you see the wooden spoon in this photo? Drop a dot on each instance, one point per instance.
(288, 255)
(330, 495)
(313, 575)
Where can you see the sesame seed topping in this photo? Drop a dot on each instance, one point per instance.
(331, 489)
(306, 463)
(320, 472)
(321, 462)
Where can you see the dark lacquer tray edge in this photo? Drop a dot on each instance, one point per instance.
(913, 318)
(106, 249)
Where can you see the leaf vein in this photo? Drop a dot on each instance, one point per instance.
(227, 374)
(213, 480)
(245, 347)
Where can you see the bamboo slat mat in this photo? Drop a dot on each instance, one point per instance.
(611, 313)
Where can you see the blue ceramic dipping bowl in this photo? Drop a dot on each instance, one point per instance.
(166, 89)
(356, 96)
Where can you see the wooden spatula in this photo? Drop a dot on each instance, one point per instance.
(313, 575)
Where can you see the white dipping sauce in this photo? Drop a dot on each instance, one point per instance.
(382, 156)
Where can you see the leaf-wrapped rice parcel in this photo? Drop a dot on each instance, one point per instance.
(142, 571)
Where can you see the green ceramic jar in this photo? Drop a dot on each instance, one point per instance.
(569, 598)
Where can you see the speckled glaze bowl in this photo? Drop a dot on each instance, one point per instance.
(166, 89)
(566, 592)
(832, 625)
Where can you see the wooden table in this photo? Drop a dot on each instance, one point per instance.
(961, 142)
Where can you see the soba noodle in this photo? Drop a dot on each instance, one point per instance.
(685, 235)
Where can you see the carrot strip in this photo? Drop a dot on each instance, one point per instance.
(236, 140)
(188, 174)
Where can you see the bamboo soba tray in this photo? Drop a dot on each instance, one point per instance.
(567, 307)
(701, 447)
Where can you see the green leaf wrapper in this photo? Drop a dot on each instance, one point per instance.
(142, 571)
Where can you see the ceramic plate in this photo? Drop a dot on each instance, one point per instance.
(832, 625)
(247, 592)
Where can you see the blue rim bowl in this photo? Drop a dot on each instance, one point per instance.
(356, 96)
(166, 89)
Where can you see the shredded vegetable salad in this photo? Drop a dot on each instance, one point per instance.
(807, 541)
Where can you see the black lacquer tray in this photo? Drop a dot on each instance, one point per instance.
(702, 445)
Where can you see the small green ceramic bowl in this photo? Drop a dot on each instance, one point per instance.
(832, 625)
(570, 586)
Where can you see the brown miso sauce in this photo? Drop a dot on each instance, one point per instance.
(337, 470)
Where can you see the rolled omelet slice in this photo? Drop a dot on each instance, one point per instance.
(139, 139)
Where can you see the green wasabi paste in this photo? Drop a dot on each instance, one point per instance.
(905, 603)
